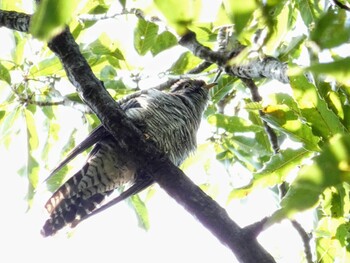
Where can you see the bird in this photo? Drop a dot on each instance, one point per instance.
(170, 120)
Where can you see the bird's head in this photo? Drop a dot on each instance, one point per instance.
(193, 94)
(189, 86)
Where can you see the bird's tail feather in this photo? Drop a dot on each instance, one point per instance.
(137, 187)
(67, 204)
(70, 211)
(67, 190)
(68, 207)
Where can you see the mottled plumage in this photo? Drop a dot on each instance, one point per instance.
(170, 120)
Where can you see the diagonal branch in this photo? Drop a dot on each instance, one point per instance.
(265, 68)
(130, 142)
(14, 20)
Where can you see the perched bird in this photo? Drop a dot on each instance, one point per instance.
(169, 119)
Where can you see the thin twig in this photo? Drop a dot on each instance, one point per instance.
(341, 5)
(97, 17)
(256, 97)
(306, 240)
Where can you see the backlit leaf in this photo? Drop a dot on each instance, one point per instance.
(233, 123)
(145, 35)
(331, 29)
(47, 67)
(330, 168)
(339, 70)
(314, 109)
(274, 172)
(309, 10)
(240, 12)
(5, 74)
(51, 17)
(141, 211)
(164, 41)
(180, 13)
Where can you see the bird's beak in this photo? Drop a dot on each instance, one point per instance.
(209, 86)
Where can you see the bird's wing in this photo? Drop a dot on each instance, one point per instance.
(130, 104)
(95, 136)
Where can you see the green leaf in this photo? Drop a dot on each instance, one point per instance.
(283, 20)
(281, 164)
(2, 114)
(180, 13)
(309, 10)
(5, 74)
(33, 139)
(282, 118)
(123, 3)
(8, 126)
(185, 62)
(18, 54)
(33, 172)
(240, 12)
(145, 35)
(105, 46)
(49, 112)
(56, 180)
(47, 67)
(101, 52)
(293, 48)
(332, 240)
(335, 103)
(243, 147)
(99, 48)
(339, 69)
(336, 201)
(330, 168)
(233, 123)
(331, 29)
(225, 85)
(164, 41)
(32, 168)
(74, 97)
(117, 53)
(314, 109)
(108, 73)
(343, 235)
(141, 211)
(274, 172)
(51, 17)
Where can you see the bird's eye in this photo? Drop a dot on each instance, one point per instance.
(181, 85)
(186, 86)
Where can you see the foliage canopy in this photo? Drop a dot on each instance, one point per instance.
(136, 47)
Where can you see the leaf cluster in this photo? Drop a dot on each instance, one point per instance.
(310, 116)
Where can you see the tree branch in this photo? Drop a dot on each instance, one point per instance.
(98, 17)
(131, 142)
(306, 240)
(266, 68)
(341, 5)
(14, 20)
